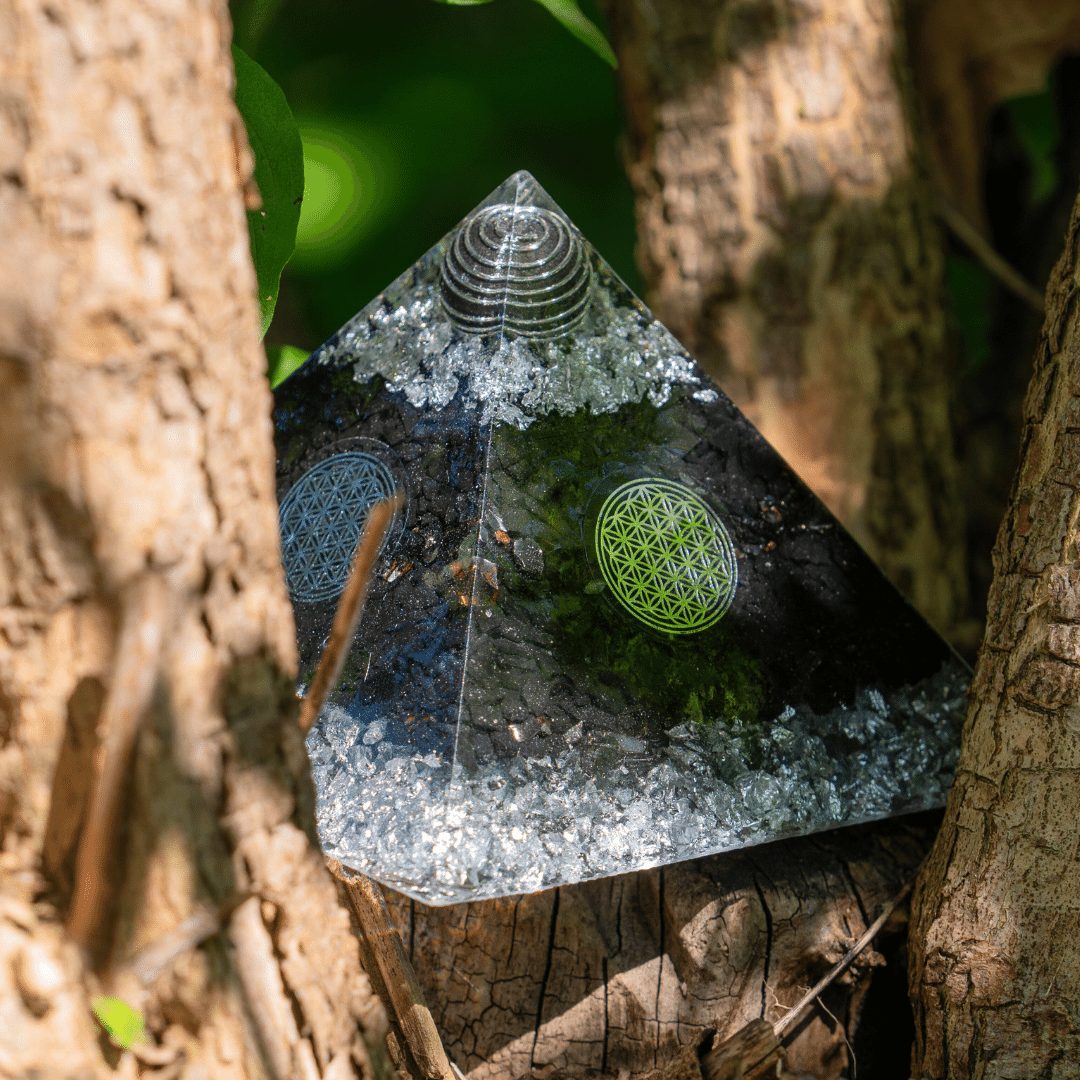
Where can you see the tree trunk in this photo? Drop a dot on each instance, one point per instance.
(616, 976)
(787, 238)
(995, 945)
(151, 767)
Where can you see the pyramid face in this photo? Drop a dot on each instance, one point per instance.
(609, 628)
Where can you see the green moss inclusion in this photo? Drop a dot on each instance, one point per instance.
(557, 462)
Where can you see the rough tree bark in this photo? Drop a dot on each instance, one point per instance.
(140, 583)
(995, 937)
(615, 977)
(787, 236)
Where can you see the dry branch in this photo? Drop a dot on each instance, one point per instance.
(871, 932)
(145, 623)
(754, 1050)
(350, 608)
(981, 248)
(383, 951)
(388, 964)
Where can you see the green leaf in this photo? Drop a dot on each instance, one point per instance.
(279, 174)
(119, 1019)
(572, 17)
(283, 360)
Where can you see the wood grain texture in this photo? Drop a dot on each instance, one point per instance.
(618, 976)
(135, 447)
(787, 235)
(751, 1054)
(995, 945)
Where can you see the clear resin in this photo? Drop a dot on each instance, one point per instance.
(610, 628)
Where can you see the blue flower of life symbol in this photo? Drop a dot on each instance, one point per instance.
(666, 556)
(321, 518)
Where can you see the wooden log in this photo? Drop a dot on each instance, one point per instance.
(619, 976)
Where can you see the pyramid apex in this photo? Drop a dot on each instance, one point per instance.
(494, 310)
(611, 628)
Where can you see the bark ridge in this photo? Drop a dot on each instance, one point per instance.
(616, 976)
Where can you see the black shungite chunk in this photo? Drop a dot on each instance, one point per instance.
(610, 628)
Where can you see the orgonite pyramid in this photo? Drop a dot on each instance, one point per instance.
(609, 628)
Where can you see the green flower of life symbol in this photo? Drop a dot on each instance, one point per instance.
(666, 556)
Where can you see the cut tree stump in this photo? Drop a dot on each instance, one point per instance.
(626, 974)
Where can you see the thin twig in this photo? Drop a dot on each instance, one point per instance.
(138, 651)
(350, 608)
(844, 964)
(385, 958)
(970, 236)
(847, 1041)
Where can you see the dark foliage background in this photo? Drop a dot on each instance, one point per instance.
(1030, 182)
(429, 107)
(412, 111)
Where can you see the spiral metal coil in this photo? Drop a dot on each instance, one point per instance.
(517, 269)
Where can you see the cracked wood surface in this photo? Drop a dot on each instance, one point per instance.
(786, 232)
(136, 459)
(616, 976)
(995, 945)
